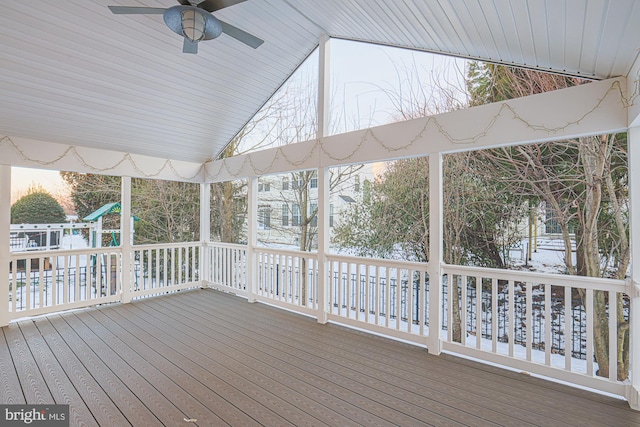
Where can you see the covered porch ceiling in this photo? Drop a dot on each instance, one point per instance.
(73, 73)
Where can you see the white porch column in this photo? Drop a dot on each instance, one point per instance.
(436, 236)
(252, 237)
(5, 221)
(323, 243)
(324, 88)
(205, 233)
(126, 234)
(633, 141)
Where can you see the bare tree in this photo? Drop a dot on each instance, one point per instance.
(583, 182)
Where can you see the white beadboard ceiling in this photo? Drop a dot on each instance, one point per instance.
(74, 73)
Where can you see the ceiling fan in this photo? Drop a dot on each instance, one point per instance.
(195, 23)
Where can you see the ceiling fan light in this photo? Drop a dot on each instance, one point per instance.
(193, 24)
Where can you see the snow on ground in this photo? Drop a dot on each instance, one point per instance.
(74, 241)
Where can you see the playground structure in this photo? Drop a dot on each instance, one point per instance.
(97, 268)
(46, 237)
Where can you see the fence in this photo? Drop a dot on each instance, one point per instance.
(48, 281)
(546, 324)
(287, 278)
(539, 323)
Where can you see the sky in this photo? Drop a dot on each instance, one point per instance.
(361, 74)
(23, 178)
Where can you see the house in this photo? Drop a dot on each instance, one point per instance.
(90, 91)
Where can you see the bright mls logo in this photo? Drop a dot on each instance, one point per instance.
(34, 415)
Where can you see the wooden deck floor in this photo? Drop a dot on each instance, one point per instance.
(214, 358)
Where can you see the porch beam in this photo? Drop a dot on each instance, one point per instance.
(589, 109)
(633, 93)
(31, 153)
(5, 222)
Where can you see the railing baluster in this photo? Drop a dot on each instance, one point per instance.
(377, 295)
(548, 318)
(451, 282)
(529, 319)
(511, 322)
(494, 315)
(398, 299)
(589, 310)
(613, 336)
(387, 296)
(358, 291)
(568, 336)
(478, 312)
(65, 279)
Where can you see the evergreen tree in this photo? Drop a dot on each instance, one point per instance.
(37, 207)
(583, 182)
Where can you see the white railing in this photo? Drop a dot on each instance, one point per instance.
(387, 296)
(50, 281)
(44, 282)
(228, 267)
(533, 322)
(539, 323)
(287, 278)
(163, 268)
(41, 237)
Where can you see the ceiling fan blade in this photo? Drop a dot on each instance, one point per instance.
(241, 35)
(213, 5)
(136, 10)
(189, 47)
(184, 2)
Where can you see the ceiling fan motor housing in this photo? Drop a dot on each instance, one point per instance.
(192, 22)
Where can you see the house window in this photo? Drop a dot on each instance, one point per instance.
(297, 182)
(264, 186)
(296, 218)
(313, 183)
(331, 215)
(264, 218)
(285, 183)
(356, 186)
(314, 220)
(285, 215)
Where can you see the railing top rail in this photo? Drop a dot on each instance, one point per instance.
(63, 252)
(542, 278)
(53, 226)
(285, 252)
(227, 245)
(165, 245)
(422, 266)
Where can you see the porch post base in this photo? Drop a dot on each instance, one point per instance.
(323, 318)
(434, 346)
(633, 397)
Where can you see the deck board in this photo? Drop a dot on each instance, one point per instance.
(265, 376)
(10, 391)
(366, 368)
(54, 375)
(215, 358)
(32, 384)
(381, 399)
(121, 396)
